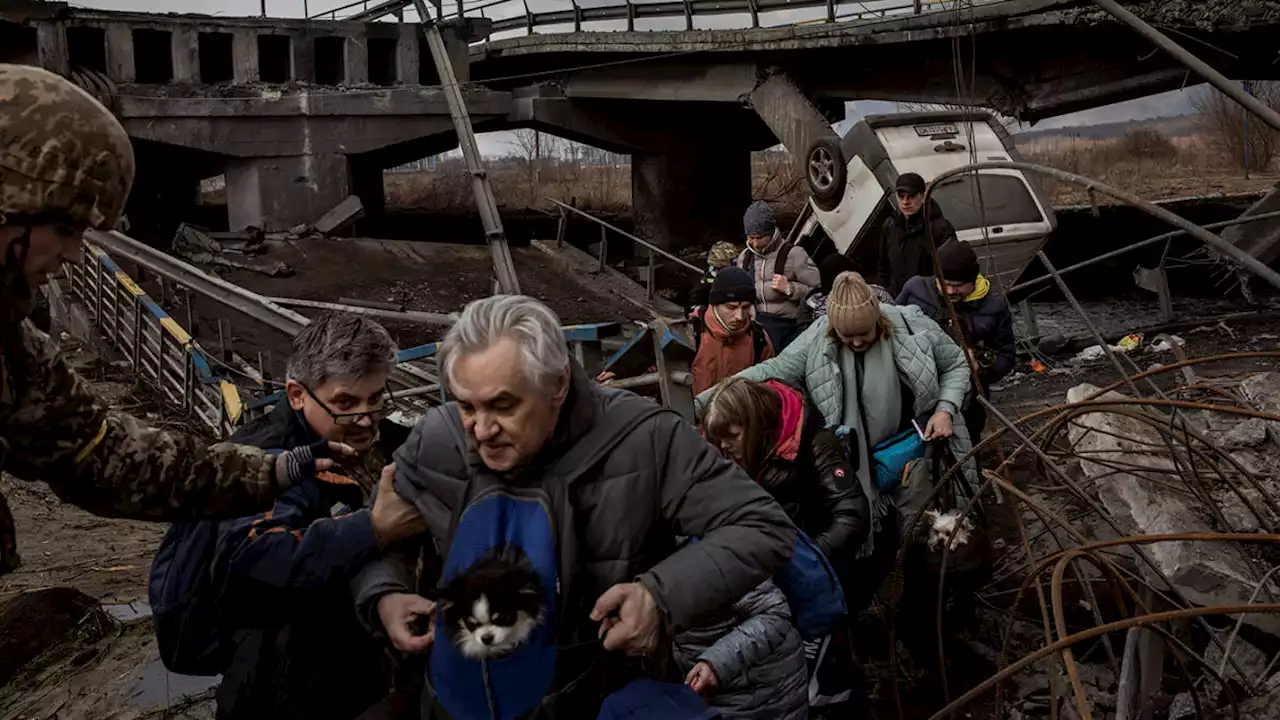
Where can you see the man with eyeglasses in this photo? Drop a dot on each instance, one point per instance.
(295, 648)
(904, 240)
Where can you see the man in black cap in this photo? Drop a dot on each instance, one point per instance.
(728, 338)
(904, 242)
(985, 326)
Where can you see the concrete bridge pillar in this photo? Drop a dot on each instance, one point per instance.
(690, 196)
(277, 193)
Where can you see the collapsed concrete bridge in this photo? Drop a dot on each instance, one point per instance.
(300, 113)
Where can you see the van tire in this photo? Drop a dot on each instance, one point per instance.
(826, 171)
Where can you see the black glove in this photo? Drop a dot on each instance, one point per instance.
(300, 462)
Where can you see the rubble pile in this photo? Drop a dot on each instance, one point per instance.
(1199, 462)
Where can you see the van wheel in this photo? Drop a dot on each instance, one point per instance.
(825, 168)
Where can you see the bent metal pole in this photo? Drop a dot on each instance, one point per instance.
(1241, 257)
(1195, 64)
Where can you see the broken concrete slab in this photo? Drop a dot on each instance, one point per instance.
(1205, 573)
(341, 216)
(1262, 391)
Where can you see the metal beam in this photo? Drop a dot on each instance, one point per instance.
(1196, 65)
(503, 268)
(170, 268)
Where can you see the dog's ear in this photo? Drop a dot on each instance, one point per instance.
(933, 515)
(968, 523)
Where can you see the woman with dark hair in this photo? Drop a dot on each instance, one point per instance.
(769, 431)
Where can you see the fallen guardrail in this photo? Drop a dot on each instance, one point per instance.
(154, 342)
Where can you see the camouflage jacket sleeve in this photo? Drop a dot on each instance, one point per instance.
(113, 464)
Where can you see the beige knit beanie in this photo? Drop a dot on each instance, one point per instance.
(852, 309)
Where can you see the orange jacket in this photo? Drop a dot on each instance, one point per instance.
(721, 355)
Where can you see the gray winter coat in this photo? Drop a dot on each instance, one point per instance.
(758, 658)
(623, 512)
(799, 269)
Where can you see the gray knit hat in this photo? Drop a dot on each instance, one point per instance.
(759, 219)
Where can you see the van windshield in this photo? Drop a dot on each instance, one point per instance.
(1004, 198)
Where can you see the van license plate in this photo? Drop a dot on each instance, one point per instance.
(930, 130)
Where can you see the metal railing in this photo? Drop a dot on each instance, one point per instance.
(605, 227)
(508, 15)
(190, 378)
(156, 344)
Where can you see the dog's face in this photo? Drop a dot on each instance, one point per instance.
(492, 608)
(948, 529)
(495, 628)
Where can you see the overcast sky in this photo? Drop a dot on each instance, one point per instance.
(1164, 104)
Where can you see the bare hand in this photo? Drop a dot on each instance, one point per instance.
(398, 611)
(606, 378)
(394, 519)
(781, 284)
(302, 462)
(702, 678)
(939, 427)
(629, 619)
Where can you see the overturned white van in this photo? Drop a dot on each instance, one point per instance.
(1002, 213)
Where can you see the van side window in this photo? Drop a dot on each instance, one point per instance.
(1005, 200)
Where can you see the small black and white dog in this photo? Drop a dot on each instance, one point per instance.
(493, 607)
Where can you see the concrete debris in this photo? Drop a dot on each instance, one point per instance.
(1247, 434)
(1205, 573)
(1252, 661)
(1053, 344)
(341, 216)
(1262, 391)
(1163, 345)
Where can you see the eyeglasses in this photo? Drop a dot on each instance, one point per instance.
(383, 411)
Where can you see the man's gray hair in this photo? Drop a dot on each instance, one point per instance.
(533, 326)
(340, 345)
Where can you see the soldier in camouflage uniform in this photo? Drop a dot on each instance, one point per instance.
(66, 165)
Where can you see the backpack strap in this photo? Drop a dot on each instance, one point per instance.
(780, 262)
(758, 341)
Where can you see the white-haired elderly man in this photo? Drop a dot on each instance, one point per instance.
(619, 477)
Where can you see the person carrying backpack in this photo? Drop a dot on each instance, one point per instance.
(540, 484)
(263, 600)
(783, 275)
(726, 336)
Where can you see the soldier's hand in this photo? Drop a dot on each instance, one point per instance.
(300, 463)
(394, 518)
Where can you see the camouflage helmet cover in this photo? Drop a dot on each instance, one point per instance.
(721, 254)
(62, 153)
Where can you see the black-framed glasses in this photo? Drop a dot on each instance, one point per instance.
(381, 413)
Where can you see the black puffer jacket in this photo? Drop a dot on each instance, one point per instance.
(904, 247)
(988, 324)
(810, 476)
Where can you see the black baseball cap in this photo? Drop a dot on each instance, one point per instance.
(909, 183)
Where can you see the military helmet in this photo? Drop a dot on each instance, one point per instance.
(63, 156)
(721, 254)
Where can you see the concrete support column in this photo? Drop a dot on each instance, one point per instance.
(690, 196)
(407, 55)
(186, 55)
(244, 56)
(358, 59)
(120, 65)
(278, 193)
(794, 120)
(51, 45)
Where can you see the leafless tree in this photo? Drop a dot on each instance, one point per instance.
(1250, 143)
